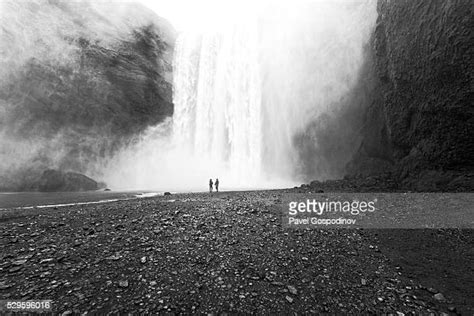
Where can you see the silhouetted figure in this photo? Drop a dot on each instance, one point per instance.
(217, 185)
(210, 185)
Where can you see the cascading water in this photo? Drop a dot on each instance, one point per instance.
(217, 98)
(243, 89)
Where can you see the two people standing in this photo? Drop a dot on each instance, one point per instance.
(216, 183)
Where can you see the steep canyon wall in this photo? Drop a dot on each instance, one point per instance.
(419, 120)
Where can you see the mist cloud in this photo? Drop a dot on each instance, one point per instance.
(310, 55)
(63, 69)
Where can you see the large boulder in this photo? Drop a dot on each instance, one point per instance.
(55, 181)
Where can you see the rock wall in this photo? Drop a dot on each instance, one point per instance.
(78, 81)
(419, 123)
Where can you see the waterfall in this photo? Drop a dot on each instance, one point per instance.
(243, 88)
(217, 98)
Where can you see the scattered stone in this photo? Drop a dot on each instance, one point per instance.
(439, 297)
(4, 286)
(292, 290)
(432, 290)
(114, 257)
(14, 269)
(80, 296)
(184, 269)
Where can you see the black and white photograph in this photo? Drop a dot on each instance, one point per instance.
(236, 157)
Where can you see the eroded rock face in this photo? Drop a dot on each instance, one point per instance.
(55, 181)
(421, 115)
(78, 81)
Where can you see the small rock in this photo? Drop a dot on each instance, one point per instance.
(123, 284)
(114, 257)
(432, 290)
(439, 297)
(66, 313)
(18, 262)
(80, 296)
(167, 193)
(4, 286)
(15, 269)
(143, 260)
(292, 290)
(289, 299)
(363, 281)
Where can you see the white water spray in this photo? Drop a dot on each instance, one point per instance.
(217, 100)
(242, 91)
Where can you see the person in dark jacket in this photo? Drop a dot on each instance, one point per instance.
(210, 185)
(216, 183)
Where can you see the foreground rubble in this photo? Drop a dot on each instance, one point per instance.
(201, 253)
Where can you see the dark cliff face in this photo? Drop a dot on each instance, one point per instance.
(70, 112)
(419, 121)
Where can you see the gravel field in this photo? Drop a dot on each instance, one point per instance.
(226, 253)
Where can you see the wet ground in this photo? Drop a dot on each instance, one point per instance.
(226, 252)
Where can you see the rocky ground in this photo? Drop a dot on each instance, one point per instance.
(226, 253)
(425, 181)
